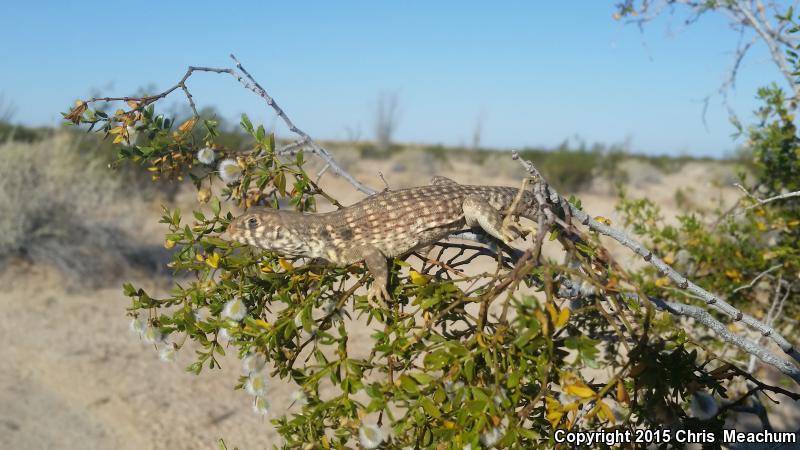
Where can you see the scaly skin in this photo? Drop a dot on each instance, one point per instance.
(383, 226)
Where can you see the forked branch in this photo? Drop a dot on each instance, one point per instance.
(712, 300)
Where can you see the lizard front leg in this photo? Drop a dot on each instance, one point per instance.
(376, 264)
(377, 294)
(478, 212)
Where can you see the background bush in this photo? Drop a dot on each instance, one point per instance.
(62, 207)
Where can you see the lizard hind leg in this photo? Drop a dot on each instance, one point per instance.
(478, 212)
(377, 294)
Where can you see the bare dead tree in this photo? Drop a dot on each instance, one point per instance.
(477, 130)
(7, 109)
(386, 118)
(353, 133)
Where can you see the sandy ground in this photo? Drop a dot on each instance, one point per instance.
(74, 376)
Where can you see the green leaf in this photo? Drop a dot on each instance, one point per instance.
(513, 379)
(260, 133)
(280, 183)
(526, 336)
(476, 406)
(128, 290)
(469, 369)
(422, 378)
(436, 360)
(430, 301)
(429, 407)
(408, 384)
(246, 124)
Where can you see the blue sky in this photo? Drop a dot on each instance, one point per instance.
(536, 72)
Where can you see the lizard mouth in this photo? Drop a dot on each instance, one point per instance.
(227, 235)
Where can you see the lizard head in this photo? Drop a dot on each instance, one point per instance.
(249, 228)
(264, 228)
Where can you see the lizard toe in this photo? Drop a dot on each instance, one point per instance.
(377, 296)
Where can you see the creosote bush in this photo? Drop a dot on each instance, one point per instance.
(457, 360)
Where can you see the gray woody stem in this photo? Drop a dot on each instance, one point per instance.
(318, 150)
(572, 290)
(252, 85)
(679, 280)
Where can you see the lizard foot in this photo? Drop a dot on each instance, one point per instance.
(377, 296)
(510, 231)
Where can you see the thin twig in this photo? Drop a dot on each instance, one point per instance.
(763, 201)
(247, 80)
(254, 86)
(757, 277)
(572, 291)
(681, 281)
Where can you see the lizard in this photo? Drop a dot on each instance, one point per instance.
(385, 225)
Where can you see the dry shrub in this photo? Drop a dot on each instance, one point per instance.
(63, 208)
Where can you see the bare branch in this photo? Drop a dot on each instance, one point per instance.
(680, 281)
(292, 148)
(764, 30)
(251, 84)
(319, 150)
(758, 277)
(753, 348)
(571, 290)
(762, 202)
(742, 16)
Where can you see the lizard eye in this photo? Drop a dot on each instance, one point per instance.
(252, 222)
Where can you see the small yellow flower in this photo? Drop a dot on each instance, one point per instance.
(287, 266)
(213, 260)
(769, 255)
(203, 195)
(603, 220)
(152, 335)
(579, 389)
(187, 126)
(734, 275)
(418, 278)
